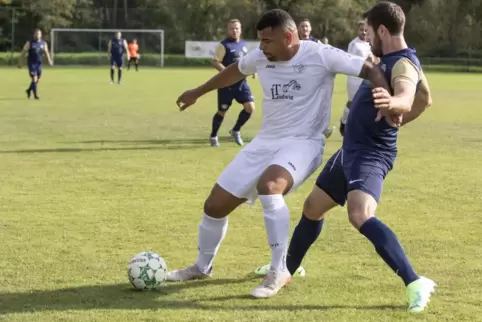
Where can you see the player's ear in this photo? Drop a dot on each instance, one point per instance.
(288, 36)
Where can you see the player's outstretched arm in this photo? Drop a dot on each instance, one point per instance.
(226, 77)
(423, 100)
(126, 49)
(25, 49)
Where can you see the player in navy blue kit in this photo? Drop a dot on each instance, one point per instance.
(304, 32)
(228, 52)
(116, 50)
(355, 174)
(34, 50)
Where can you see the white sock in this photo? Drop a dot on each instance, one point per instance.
(277, 222)
(346, 111)
(211, 234)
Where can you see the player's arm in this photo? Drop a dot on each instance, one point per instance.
(109, 48)
(25, 49)
(230, 75)
(47, 54)
(218, 57)
(423, 100)
(341, 62)
(405, 77)
(126, 48)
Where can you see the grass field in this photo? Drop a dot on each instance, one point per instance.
(93, 174)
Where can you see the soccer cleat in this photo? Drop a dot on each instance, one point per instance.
(36, 97)
(28, 93)
(329, 131)
(272, 283)
(236, 135)
(112, 83)
(192, 272)
(418, 294)
(263, 270)
(214, 142)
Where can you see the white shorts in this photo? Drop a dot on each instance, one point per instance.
(300, 157)
(352, 85)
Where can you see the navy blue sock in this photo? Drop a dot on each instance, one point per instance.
(34, 88)
(31, 86)
(112, 75)
(389, 248)
(242, 119)
(119, 75)
(305, 234)
(217, 121)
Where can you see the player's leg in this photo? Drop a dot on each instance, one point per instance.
(290, 167)
(33, 77)
(234, 186)
(112, 71)
(36, 80)
(120, 64)
(212, 230)
(224, 102)
(129, 62)
(136, 62)
(244, 97)
(365, 186)
(329, 191)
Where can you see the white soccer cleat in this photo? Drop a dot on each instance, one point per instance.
(418, 294)
(329, 131)
(214, 142)
(192, 272)
(236, 135)
(272, 283)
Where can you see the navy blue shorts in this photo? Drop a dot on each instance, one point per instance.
(35, 70)
(239, 92)
(345, 172)
(117, 61)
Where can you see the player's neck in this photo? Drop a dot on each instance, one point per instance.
(234, 39)
(304, 37)
(293, 50)
(396, 44)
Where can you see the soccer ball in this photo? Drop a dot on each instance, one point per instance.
(147, 271)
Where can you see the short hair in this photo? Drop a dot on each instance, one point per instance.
(388, 14)
(36, 30)
(305, 20)
(276, 18)
(360, 23)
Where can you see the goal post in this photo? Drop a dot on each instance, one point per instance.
(90, 45)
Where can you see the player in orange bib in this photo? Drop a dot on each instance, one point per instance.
(134, 54)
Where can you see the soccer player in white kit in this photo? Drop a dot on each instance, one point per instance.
(297, 80)
(359, 47)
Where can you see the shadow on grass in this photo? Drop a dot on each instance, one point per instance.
(193, 141)
(121, 296)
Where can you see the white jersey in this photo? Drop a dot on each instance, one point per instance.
(297, 93)
(362, 49)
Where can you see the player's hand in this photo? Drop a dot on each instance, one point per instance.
(381, 98)
(51, 63)
(392, 119)
(187, 99)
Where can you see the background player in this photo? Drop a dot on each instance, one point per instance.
(355, 174)
(35, 49)
(134, 55)
(228, 52)
(360, 47)
(304, 32)
(289, 146)
(116, 50)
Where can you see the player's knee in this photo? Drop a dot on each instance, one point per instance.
(213, 208)
(317, 204)
(275, 180)
(311, 209)
(249, 107)
(361, 207)
(222, 113)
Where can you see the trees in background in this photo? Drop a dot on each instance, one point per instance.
(435, 27)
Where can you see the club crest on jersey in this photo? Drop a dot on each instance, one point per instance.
(299, 68)
(245, 49)
(283, 91)
(384, 67)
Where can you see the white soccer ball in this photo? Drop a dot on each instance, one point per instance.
(147, 271)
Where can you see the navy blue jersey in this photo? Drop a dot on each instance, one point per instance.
(313, 39)
(117, 48)
(362, 132)
(36, 51)
(230, 51)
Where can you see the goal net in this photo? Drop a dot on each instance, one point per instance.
(89, 46)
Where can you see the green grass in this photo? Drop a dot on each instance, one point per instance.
(93, 174)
